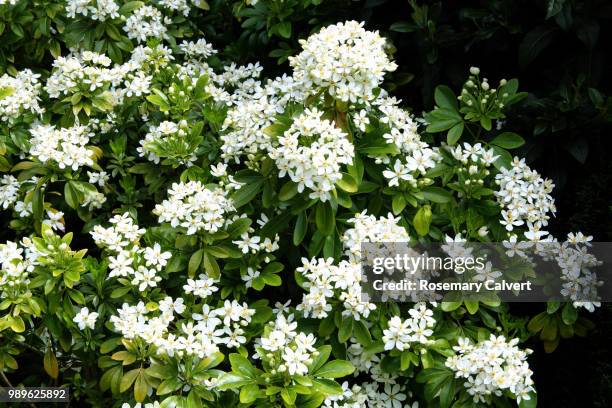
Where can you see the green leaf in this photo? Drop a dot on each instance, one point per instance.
(361, 333)
(194, 262)
(140, 387)
(485, 122)
(445, 98)
(72, 195)
(335, 369)
(447, 393)
(569, 314)
(211, 361)
(168, 386)
(247, 192)
(450, 306)
(422, 219)
(471, 306)
(284, 29)
(239, 227)
(288, 396)
(346, 329)
(109, 345)
(38, 205)
(249, 393)
(211, 266)
(348, 183)
(241, 365)
(128, 379)
(534, 43)
(232, 380)
(398, 204)
(579, 148)
(288, 191)
(454, 134)
(504, 160)
(325, 218)
(321, 358)
(17, 324)
(403, 27)
(326, 386)
(50, 364)
(553, 8)
(442, 119)
(437, 195)
(301, 227)
(508, 140)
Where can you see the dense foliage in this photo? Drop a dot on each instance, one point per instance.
(186, 186)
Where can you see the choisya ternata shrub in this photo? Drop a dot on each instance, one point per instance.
(220, 217)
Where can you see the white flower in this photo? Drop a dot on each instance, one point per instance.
(250, 276)
(84, 319)
(155, 257)
(99, 178)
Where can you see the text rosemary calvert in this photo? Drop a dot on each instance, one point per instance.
(459, 265)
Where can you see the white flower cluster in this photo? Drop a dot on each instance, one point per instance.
(202, 287)
(87, 71)
(200, 336)
(129, 260)
(580, 283)
(253, 108)
(286, 350)
(15, 272)
(150, 59)
(247, 122)
(328, 281)
(402, 128)
(146, 22)
(579, 280)
(18, 95)
(195, 207)
(525, 198)
(85, 319)
(100, 10)
(344, 58)
(343, 281)
(416, 329)
(367, 228)
(312, 152)
(9, 190)
(474, 157)
(419, 162)
(154, 404)
(176, 5)
(492, 367)
(65, 147)
(199, 49)
(370, 395)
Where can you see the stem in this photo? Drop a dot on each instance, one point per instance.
(6, 380)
